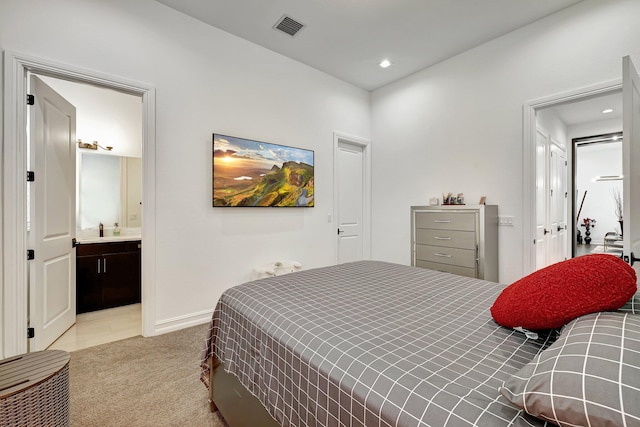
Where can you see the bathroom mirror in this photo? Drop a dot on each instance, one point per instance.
(109, 190)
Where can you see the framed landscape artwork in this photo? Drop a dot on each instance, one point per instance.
(260, 174)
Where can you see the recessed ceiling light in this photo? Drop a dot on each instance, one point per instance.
(607, 111)
(385, 63)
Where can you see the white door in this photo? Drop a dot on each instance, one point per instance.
(350, 190)
(631, 160)
(542, 186)
(557, 205)
(52, 198)
(551, 201)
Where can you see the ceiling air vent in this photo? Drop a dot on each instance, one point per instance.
(288, 25)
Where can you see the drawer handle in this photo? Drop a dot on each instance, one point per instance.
(441, 238)
(442, 221)
(443, 255)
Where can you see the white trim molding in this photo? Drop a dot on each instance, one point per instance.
(181, 322)
(529, 111)
(13, 280)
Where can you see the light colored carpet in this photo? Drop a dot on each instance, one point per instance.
(142, 382)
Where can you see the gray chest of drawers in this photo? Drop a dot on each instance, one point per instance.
(458, 239)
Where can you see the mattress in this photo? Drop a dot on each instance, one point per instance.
(371, 344)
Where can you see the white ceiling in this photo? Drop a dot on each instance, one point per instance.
(349, 38)
(590, 110)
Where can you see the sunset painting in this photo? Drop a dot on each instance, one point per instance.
(253, 173)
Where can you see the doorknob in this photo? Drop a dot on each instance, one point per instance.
(340, 231)
(546, 231)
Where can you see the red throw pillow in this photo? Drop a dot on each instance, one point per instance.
(555, 295)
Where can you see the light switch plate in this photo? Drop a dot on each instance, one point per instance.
(505, 220)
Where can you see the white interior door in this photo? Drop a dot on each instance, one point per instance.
(557, 204)
(52, 198)
(541, 241)
(350, 190)
(631, 160)
(551, 201)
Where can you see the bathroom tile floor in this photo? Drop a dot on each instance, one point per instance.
(101, 327)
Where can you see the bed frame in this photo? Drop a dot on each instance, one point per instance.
(236, 404)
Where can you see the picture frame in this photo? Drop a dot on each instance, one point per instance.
(250, 173)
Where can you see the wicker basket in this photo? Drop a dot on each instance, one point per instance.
(41, 403)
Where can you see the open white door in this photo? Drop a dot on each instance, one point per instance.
(631, 161)
(52, 272)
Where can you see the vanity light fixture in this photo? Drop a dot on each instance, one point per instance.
(93, 145)
(607, 111)
(385, 63)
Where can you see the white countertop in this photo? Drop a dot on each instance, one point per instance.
(107, 239)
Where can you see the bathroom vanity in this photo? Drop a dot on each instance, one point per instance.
(108, 273)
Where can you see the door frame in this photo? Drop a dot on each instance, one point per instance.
(575, 143)
(365, 144)
(13, 280)
(529, 160)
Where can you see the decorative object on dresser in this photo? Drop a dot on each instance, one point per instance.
(451, 199)
(456, 239)
(107, 275)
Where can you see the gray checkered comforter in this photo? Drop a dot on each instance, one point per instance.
(371, 344)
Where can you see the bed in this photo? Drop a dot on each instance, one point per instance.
(365, 344)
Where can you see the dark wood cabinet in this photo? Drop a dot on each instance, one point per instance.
(107, 275)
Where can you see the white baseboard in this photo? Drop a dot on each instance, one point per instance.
(182, 322)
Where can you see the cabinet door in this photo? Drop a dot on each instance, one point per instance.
(88, 287)
(120, 279)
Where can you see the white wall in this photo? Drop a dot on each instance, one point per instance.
(206, 81)
(457, 126)
(600, 127)
(554, 126)
(112, 118)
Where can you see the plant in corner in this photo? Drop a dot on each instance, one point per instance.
(617, 198)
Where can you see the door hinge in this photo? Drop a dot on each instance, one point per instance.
(31, 176)
(31, 332)
(31, 99)
(31, 254)
(565, 163)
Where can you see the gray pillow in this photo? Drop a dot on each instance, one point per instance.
(589, 377)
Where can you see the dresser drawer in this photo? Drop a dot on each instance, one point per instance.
(452, 256)
(463, 221)
(453, 269)
(446, 238)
